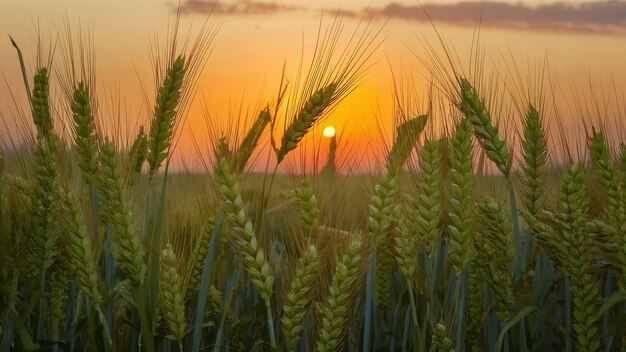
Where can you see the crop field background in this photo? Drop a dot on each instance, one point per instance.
(494, 219)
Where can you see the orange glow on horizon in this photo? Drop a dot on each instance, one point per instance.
(246, 62)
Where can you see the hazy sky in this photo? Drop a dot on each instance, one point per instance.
(256, 37)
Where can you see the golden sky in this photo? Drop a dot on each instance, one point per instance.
(252, 43)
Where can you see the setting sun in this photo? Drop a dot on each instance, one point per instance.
(329, 131)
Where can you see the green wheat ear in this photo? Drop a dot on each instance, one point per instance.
(195, 263)
(383, 209)
(45, 201)
(255, 262)
(60, 291)
(406, 137)
(336, 311)
(308, 207)
(138, 152)
(429, 200)
(578, 259)
(163, 122)
(6, 234)
(605, 173)
(310, 113)
(487, 134)
(86, 142)
(497, 255)
(41, 103)
(299, 297)
(79, 248)
(440, 340)
(117, 211)
(534, 164)
(172, 297)
(251, 140)
(460, 211)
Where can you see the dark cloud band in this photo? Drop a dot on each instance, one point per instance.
(243, 7)
(608, 16)
(601, 16)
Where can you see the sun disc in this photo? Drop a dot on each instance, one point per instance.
(329, 131)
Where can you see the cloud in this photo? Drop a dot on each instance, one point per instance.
(241, 7)
(605, 16)
(591, 17)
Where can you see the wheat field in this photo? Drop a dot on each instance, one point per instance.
(104, 248)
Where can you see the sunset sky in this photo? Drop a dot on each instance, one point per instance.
(582, 43)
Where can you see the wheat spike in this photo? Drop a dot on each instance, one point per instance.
(60, 291)
(496, 255)
(535, 159)
(476, 306)
(486, 133)
(407, 244)
(195, 263)
(601, 158)
(406, 138)
(172, 297)
(138, 152)
(256, 264)
(251, 140)
(382, 211)
(460, 212)
(307, 203)
(578, 259)
(6, 234)
(428, 204)
(440, 340)
(79, 248)
(45, 200)
(299, 297)
(309, 115)
(163, 122)
(85, 139)
(41, 103)
(335, 312)
(117, 211)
